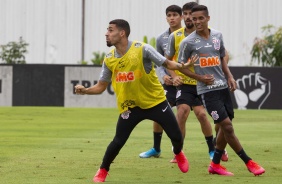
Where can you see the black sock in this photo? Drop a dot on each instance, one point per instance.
(157, 141)
(244, 156)
(209, 141)
(217, 156)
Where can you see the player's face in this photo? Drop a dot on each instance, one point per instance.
(200, 20)
(113, 35)
(187, 19)
(173, 19)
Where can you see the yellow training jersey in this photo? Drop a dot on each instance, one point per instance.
(179, 35)
(132, 85)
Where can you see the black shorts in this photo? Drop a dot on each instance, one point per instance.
(187, 94)
(218, 104)
(170, 92)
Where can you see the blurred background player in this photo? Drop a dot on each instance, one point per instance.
(187, 97)
(173, 18)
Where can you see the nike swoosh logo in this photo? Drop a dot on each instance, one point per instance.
(164, 109)
(197, 48)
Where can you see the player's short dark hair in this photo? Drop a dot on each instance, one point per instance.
(174, 8)
(189, 6)
(122, 25)
(201, 8)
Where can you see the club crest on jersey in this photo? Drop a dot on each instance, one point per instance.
(127, 103)
(138, 44)
(121, 64)
(216, 43)
(197, 40)
(214, 115)
(125, 115)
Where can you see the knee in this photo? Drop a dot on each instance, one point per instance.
(183, 110)
(228, 129)
(202, 117)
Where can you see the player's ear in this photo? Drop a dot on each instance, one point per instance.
(122, 33)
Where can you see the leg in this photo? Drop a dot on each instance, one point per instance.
(183, 111)
(123, 130)
(126, 123)
(189, 98)
(157, 129)
(156, 150)
(168, 121)
(224, 156)
(220, 108)
(216, 128)
(206, 127)
(229, 136)
(220, 146)
(215, 108)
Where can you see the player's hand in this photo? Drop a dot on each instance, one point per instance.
(191, 62)
(79, 89)
(232, 84)
(208, 79)
(167, 80)
(177, 81)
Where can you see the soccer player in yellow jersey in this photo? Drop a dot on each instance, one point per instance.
(139, 93)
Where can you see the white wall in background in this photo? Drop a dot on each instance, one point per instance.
(53, 27)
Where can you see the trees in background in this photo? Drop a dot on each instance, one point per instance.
(268, 50)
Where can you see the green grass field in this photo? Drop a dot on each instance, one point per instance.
(56, 145)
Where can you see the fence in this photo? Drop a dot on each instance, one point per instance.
(53, 85)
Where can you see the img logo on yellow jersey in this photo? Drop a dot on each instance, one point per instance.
(128, 76)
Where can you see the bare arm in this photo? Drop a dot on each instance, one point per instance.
(171, 72)
(177, 66)
(191, 74)
(207, 79)
(176, 79)
(171, 65)
(230, 80)
(226, 57)
(98, 88)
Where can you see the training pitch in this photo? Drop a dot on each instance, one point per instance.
(56, 145)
